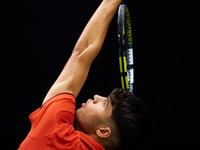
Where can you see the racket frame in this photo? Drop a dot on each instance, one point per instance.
(125, 48)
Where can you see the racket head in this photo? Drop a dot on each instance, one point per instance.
(125, 48)
(121, 41)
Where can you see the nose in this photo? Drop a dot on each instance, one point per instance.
(95, 99)
(98, 98)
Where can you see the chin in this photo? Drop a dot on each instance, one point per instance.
(78, 112)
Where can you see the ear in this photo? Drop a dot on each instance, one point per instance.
(103, 132)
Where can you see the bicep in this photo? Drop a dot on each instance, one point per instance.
(72, 77)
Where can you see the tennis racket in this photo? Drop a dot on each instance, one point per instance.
(125, 48)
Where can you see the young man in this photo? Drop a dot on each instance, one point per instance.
(118, 121)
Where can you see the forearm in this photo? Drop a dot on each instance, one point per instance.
(92, 37)
(86, 49)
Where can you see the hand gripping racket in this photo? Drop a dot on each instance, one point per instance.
(125, 48)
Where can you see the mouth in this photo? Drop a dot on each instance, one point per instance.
(83, 104)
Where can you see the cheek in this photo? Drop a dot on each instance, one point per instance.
(96, 113)
(86, 120)
(87, 112)
(89, 115)
(95, 108)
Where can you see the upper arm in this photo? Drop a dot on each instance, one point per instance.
(72, 77)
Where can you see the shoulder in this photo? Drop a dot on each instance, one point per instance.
(61, 107)
(58, 97)
(56, 107)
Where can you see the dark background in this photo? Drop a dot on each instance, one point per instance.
(38, 37)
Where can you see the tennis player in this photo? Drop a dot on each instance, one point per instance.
(118, 121)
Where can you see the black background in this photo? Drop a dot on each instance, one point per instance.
(37, 38)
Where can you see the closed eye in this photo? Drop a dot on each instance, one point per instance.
(106, 102)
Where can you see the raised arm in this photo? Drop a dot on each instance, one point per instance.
(89, 44)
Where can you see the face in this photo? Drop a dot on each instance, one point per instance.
(94, 113)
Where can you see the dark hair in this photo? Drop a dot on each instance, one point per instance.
(133, 122)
